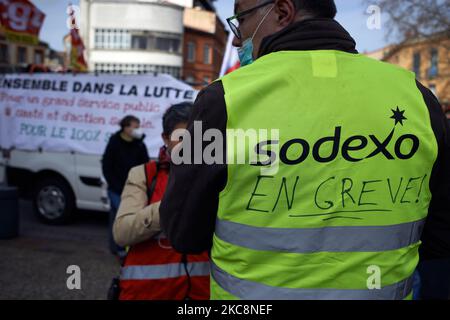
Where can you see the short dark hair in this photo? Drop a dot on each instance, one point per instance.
(126, 122)
(176, 114)
(318, 8)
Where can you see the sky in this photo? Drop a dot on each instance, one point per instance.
(351, 14)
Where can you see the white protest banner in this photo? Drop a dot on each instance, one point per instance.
(79, 113)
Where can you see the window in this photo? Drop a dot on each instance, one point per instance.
(151, 42)
(4, 53)
(191, 51)
(433, 71)
(416, 64)
(124, 39)
(98, 39)
(38, 57)
(207, 54)
(112, 39)
(120, 39)
(190, 80)
(167, 44)
(132, 68)
(21, 55)
(139, 42)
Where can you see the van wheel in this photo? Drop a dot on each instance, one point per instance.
(54, 201)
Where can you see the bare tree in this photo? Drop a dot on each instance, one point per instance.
(414, 18)
(410, 20)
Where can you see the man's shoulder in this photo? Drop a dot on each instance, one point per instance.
(212, 91)
(111, 146)
(210, 107)
(137, 175)
(210, 102)
(115, 138)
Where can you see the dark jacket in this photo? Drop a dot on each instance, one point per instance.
(189, 208)
(119, 157)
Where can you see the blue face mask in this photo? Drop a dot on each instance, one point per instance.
(245, 51)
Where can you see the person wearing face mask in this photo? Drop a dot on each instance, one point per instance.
(334, 218)
(152, 270)
(125, 150)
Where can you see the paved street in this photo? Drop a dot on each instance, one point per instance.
(33, 266)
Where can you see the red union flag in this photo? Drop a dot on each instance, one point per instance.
(21, 21)
(77, 61)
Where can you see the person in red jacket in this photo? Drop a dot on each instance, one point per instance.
(153, 270)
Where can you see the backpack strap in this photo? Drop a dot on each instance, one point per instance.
(151, 173)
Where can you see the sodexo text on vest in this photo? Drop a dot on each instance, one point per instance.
(273, 187)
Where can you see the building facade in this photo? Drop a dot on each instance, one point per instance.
(428, 58)
(205, 40)
(133, 37)
(16, 57)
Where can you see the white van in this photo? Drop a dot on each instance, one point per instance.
(59, 183)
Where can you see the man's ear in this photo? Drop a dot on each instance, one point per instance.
(285, 11)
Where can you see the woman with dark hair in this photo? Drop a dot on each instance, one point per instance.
(125, 150)
(153, 270)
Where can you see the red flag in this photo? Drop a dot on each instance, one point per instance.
(77, 61)
(21, 21)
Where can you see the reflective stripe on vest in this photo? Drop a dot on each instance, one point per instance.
(165, 271)
(249, 290)
(153, 269)
(333, 239)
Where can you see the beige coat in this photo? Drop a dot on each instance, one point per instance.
(136, 221)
